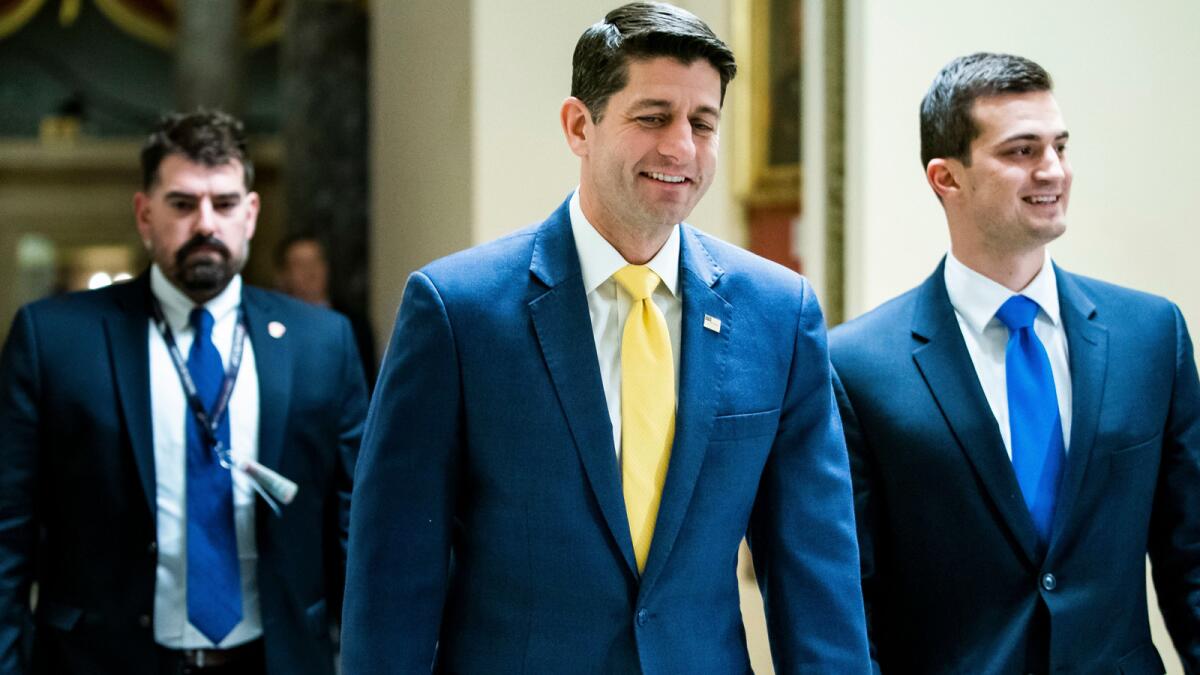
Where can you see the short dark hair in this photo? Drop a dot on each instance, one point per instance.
(208, 137)
(285, 246)
(947, 126)
(641, 30)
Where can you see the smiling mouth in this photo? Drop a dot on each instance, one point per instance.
(1041, 200)
(666, 177)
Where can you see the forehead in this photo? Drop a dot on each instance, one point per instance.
(177, 173)
(1006, 116)
(303, 250)
(669, 79)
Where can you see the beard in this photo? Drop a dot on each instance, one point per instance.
(204, 266)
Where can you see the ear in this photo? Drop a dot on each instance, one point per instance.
(576, 122)
(141, 214)
(944, 176)
(252, 204)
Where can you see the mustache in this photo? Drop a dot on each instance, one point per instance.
(201, 241)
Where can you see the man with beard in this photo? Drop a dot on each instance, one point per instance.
(535, 497)
(133, 423)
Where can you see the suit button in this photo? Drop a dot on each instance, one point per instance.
(144, 621)
(1049, 582)
(641, 617)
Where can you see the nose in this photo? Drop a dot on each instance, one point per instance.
(1053, 166)
(205, 218)
(677, 142)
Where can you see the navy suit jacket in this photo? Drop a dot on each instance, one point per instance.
(954, 578)
(489, 533)
(77, 480)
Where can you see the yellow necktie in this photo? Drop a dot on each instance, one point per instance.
(647, 406)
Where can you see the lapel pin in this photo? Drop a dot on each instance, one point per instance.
(712, 323)
(276, 329)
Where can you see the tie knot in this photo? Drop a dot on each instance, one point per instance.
(1017, 312)
(202, 322)
(638, 281)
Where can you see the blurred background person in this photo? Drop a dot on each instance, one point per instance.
(302, 271)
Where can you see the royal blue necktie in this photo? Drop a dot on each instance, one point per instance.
(1038, 453)
(214, 589)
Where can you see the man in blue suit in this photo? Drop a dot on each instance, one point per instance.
(533, 496)
(1020, 436)
(150, 555)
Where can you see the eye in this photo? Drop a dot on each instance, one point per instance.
(181, 204)
(1061, 148)
(1022, 151)
(225, 204)
(703, 126)
(651, 120)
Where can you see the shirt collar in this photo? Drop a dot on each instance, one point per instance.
(977, 298)
(177, 307)
(598, 260)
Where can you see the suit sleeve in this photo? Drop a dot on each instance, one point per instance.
(349, 429)
(405, 490)
(802, 526)
(19, 393)
(1175, 523)
(862, 472)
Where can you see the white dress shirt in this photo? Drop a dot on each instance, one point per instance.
(976, 299)
(168, 407)
(609, 303)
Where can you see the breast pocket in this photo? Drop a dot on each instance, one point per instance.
(744, 426)
(1140, 455)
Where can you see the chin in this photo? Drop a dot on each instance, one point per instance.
(205, 278)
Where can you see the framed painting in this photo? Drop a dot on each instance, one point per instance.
(770, 47)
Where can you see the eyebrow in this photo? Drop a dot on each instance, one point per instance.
(179, 194)
(658, 103)
(1062, 136)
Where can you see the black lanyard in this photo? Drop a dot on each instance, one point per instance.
(207, 421)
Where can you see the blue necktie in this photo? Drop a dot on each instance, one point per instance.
(214, 589)
(1038, 453)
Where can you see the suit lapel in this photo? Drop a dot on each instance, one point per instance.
(1087, 344)
(273, 360)
(942, 357)
(564, 331)
(129, 349)
(702, 366)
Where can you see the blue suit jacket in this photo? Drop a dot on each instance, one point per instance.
(954, 578)
(77, 480)
(489, 534)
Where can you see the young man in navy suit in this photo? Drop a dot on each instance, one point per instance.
(1020, 436)
(131, 421)
(533, 495)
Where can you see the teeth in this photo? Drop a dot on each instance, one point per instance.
(1042, 199)
(666, 178)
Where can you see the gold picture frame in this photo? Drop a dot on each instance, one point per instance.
(768, 37)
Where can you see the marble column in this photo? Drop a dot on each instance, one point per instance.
(209, 54)
(323, 103)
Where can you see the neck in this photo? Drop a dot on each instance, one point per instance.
(1014, 271)
(636, 250)
(636, 244)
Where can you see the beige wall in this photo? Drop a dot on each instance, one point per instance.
(1125, 77)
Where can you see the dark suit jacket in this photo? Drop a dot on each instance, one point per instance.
(953, 575)
(488, 519)
(77, 480)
